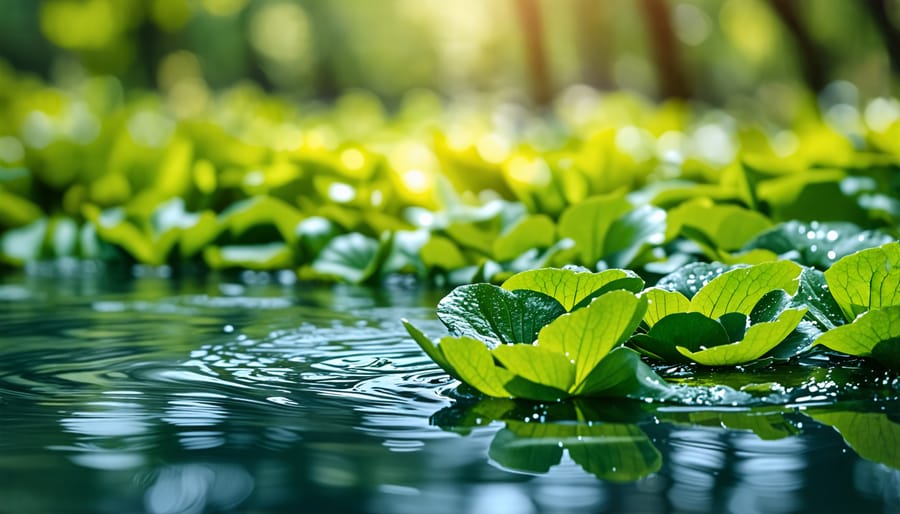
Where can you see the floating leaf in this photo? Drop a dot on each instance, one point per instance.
(760, 339)
(869, 279)
(817, 244)
(690, 278)
(722, 227)
(740, 289)
(867, 332)
(497, 316)
(585, 336)
(532, 231)
(661, 303)
(352, 257)
(588, 224)
(571, 287)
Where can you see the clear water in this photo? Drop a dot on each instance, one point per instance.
(242, 394)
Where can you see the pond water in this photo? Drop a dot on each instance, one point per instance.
(251, 393)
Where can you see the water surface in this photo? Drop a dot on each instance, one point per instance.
(252, 393)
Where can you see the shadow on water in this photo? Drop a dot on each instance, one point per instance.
(256, 394)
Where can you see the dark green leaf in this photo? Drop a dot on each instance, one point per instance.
(497, 316)
(817, 244)
(690, 278)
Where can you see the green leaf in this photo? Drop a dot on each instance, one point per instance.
(623, 374)
(537, 364)
(571, 287)
(633, 232)
(240, 216)
(261, 256)
(475, 366)
(865, 333)
(740, 289)
(770, 306)
(760, 339)
(690, 278)
(817, 244)
(725, 227)
(497, 316)
(588, 223)
(587, 335)
(735, 324)
(661, 303)
(813, 292)
(869, 279)
(352, 257)
(874, 436)
(690, 330)
(532, 231)
(443, 254)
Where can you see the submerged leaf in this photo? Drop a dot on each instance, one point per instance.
(874, 436)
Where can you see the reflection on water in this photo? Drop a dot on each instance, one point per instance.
(248, 394)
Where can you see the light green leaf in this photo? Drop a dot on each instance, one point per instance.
(497, 316)
(661, 303)
(869, 279)
(240, 216)
(633, 232)
(740, 289)
(587, 335)
(570, 287)
(532, 231)
(537, 364)
(352, 257)
(623, 374)
(442, 253)
(759, 339)
(261, 257)
(724, 227)
(588, 223)
(690, 330)
(475, 365)
(868, 330)
(814, 293)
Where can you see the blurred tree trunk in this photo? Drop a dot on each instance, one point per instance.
(593, 39)
(879, 11)
(672, 81)
(812, 57)
(535, 51)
